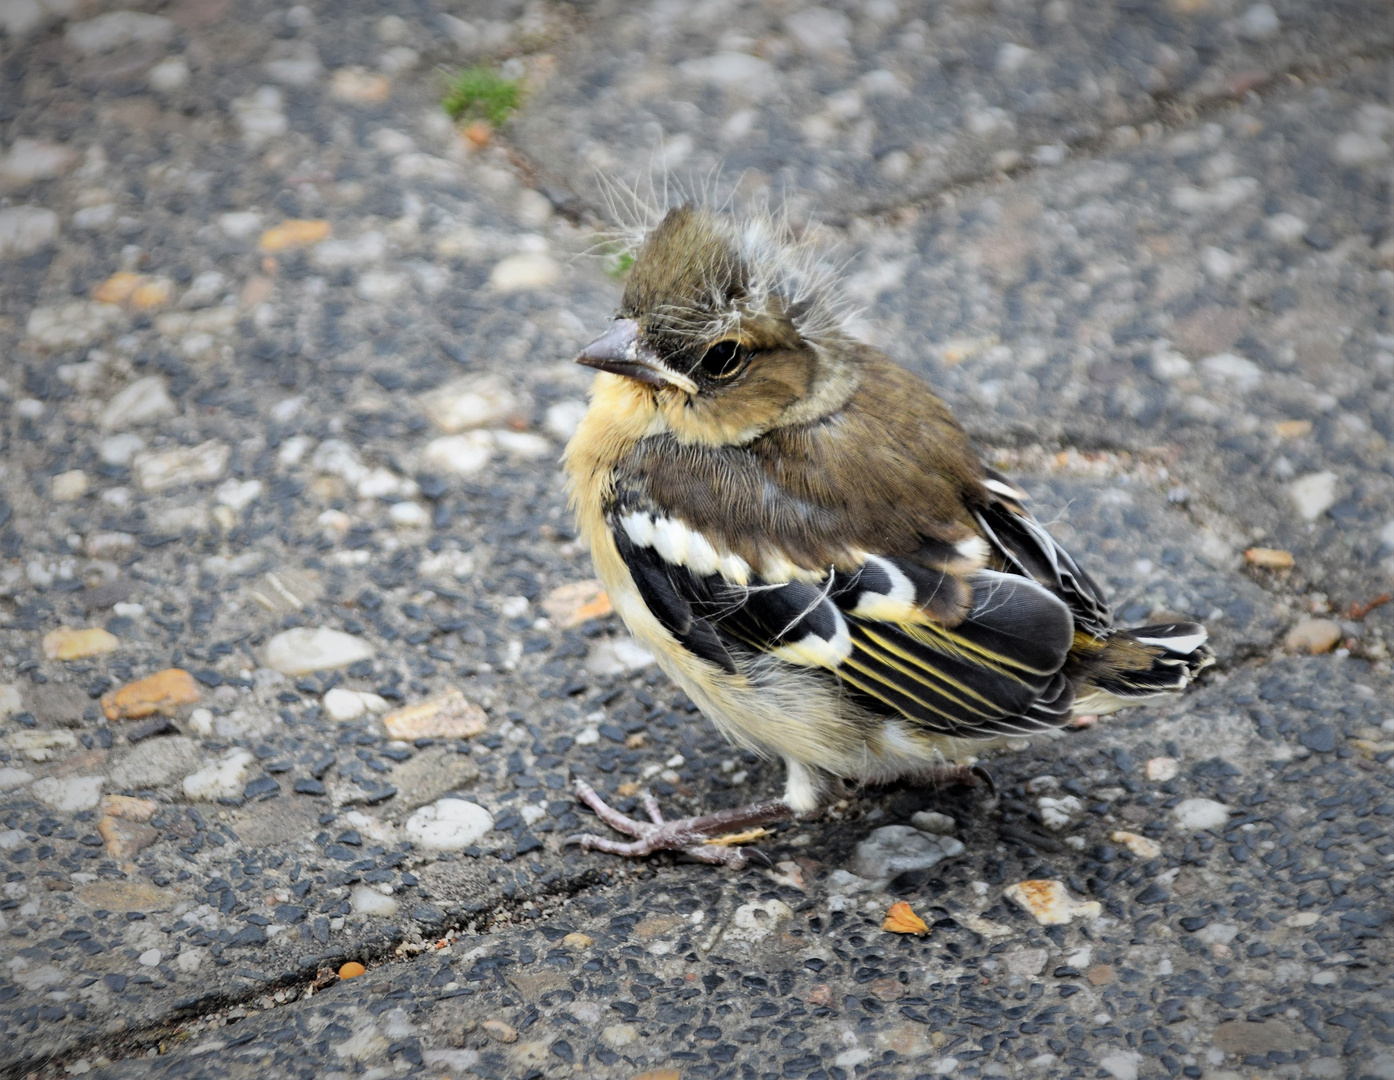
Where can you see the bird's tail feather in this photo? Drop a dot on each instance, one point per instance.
(1144, 662)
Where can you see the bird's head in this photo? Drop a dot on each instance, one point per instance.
(730, 326)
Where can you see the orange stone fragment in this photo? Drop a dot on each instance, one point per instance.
(357, 84)
(162, 692)
(125, 838)
(479, 133)
(351, 970)
(152, 293)
(295, 233)
(1292, 429)
(128, 808)
(446, 716)
(660, 1074)
(67, 643)
(118, 288)
(571, 605)
(901, 919)
(1270, 558)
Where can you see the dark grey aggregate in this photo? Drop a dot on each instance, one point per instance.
(1067, 311)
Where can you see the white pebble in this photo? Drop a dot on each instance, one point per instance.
(618, 656)
(162, 470)
(1123, 1064)
(1057, 813)
(69, 486)
(1358, 148)
(563, 418)
(238, 494)
(69, 793)
(71, 325)
(26, 229)
(1313, 494)
(150, 958)
(1241, 373)
(168, 75)
(526, 270)
(141, 402)
(344, 705)
(260, 115)
(1285, 228)
(1199, 814)
(522, 444)
(459, 455)
(117, 28)
(409, 515)
(222, 779)
(201, 720)
(380, 285)
(240, 224)
(367, 901)
(449, 825)
(11, 778)
(482, 401)
(894, 849)
(35, 159)
(931, 821)
(120, 449)
(302, 650)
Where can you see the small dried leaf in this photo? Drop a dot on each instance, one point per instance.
(901, 919)
(295, 233)
(737, 837)
(1270, 558)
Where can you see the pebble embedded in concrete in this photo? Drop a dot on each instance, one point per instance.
(475, 402)
(1313, 494)
(894, 849)
(368, 901)
(162, 470)
(303, 649)
(222, 779)
(1200, 814)
(341, 704)
(1313, 636)
(449, 825)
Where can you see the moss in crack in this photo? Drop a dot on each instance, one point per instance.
(481, 93)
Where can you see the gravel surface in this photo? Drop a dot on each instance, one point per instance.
(299, 655)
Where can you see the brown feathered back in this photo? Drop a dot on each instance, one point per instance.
(890, 471)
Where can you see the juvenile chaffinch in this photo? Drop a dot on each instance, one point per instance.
(802, 534)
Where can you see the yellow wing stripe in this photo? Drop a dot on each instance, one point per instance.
(937, 637)
(873, 688)
(888, 654)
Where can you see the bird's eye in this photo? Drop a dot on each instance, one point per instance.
(724, 360)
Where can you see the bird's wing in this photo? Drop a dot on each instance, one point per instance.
(995, 671)
(1023, 546)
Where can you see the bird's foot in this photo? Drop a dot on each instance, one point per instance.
(712, 838)
(969, 776)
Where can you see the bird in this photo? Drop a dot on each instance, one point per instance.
(805, 538)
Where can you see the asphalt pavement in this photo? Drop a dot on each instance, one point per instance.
(300, 656)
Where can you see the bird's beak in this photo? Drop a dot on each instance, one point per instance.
(620, 352)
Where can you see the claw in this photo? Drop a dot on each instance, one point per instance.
(711, 838)
(984, 777)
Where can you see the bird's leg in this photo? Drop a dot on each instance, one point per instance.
(704, 838)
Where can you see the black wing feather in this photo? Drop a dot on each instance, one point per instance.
(997, 671)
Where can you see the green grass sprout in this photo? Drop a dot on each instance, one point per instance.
(480, 93)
